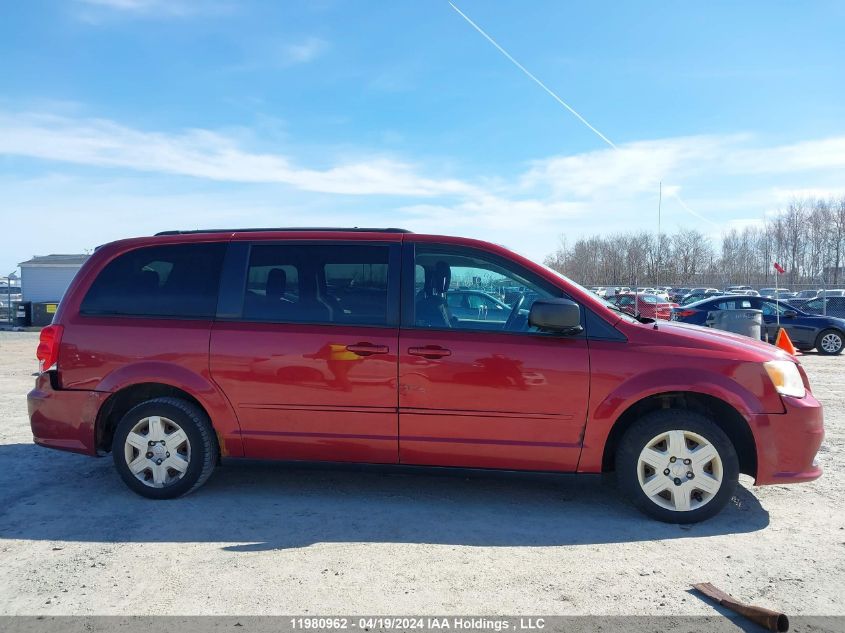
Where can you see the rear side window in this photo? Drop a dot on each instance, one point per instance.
(734, 304)
(179, 280)
(331, 283)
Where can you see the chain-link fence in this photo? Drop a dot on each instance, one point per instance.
(10, 294)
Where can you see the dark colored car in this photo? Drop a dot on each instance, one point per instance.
(802, 297)
(697, 294)
(475, 304)
(175, 351)
(676, 294)
(784, 294)
(829, 306)
(807, 331)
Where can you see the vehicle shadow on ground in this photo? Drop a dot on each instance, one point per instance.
(255, 506)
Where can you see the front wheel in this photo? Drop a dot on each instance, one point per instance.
(677, 466)
(164, 448)
(829, 342)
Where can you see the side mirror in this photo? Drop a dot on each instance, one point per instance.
(556, 315)
(789, 314)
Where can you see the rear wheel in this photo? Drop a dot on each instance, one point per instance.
(164, 448)
(677, 466)
(829, 342)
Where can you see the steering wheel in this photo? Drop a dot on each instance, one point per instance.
(514, 312)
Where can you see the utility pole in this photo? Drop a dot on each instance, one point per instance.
(659, 204)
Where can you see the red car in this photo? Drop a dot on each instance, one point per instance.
(175, 351)
(645, 305)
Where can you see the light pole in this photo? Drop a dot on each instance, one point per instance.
(659, 203)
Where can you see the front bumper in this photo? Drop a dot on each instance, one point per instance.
(787, 443)
(64, 419)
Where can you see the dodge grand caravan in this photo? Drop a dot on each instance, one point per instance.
(174, 351)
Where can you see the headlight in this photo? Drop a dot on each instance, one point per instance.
(785, 377)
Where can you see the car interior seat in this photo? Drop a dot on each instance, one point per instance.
(432, 309)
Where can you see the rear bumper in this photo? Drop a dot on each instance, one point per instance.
(787, 443)
(64, 420)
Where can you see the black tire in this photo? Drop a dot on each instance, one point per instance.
(203, 442)
(835, 334)
(650, 426)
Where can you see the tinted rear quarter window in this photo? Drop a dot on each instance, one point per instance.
(177, 281)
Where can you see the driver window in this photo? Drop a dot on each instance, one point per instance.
(771, 309)
(498, 295)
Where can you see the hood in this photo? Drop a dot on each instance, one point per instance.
(827, 318)
(705, 341)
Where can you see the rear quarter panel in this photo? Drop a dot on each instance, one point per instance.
(107, 354)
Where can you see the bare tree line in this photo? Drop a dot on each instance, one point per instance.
(807, 239)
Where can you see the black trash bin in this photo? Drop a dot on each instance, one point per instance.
(42, 312)
(23, 313)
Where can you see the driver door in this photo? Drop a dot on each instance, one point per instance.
(485, 390)
(800, 331)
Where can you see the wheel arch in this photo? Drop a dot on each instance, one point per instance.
(156, 379)
(727, 417)
(123, 400)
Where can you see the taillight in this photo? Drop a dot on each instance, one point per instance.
(48, 347)
(681, 314)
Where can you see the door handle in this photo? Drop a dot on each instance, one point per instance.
(367, 349)
(429, 351)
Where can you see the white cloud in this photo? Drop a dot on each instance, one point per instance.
(304, 51)
(269, 55)
(639, 166)
(127, 5)
(489, 211)
(94, 11)
(634, 167)
(221, 177)
(205, 154)
(826, 153)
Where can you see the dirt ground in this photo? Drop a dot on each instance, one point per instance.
(268, 539)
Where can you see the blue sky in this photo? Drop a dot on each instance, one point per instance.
(125, 117)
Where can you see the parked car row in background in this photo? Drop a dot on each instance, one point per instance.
(820, 302)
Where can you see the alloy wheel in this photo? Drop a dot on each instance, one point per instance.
(831, 343)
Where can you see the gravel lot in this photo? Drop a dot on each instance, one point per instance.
(268, 539)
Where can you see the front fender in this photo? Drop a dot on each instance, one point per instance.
(758, 397)
(743, 386)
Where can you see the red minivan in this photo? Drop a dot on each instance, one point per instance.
(174, 351)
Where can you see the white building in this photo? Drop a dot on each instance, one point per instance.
(46, 278)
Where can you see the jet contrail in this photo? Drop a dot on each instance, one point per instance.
(554, 96)
(686, 208)
(533, 78)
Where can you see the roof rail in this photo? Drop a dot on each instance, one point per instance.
(354, 229)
